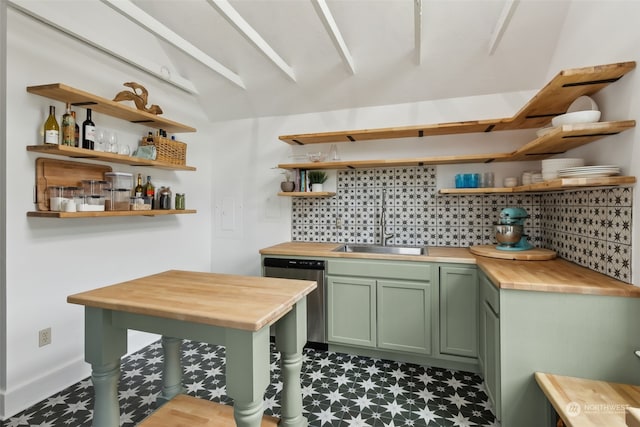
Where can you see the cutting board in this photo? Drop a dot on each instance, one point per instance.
(534, 254)
(51, 172)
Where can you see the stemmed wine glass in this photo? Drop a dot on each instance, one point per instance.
(113, 143)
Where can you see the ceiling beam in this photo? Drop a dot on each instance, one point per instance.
(233, 17)
(42, 13)
(322, 9)
(417, 24)
(146, 21)
(503, 22)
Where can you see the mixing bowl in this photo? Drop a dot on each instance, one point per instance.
(508, 234)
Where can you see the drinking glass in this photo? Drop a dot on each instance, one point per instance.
(113, 143)
(101, 140)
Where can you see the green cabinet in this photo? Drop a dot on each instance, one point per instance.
(380, 304)
(404, 316)
(459, 311)
(489, 343)
(351, 311)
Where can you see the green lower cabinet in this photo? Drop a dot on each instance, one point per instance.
(404, 316)
(489, 342)
(351, 310)
(459, 311)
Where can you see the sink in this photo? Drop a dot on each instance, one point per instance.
(378, 249)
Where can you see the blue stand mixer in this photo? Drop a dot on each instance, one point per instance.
(510, 230)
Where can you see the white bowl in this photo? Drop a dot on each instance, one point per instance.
(582, 103)
(590, 116)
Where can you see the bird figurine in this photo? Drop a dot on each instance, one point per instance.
(139, 96)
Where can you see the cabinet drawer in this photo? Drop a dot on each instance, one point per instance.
(381, 269)
(490, 293)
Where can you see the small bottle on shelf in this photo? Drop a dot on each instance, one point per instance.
(150, 137)
(139, 190)
(88, 132)
(51, 128)
(150, 191)
(68, 127)
(76, 133)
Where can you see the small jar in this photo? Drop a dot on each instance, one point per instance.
(180, 201)
(165, 198)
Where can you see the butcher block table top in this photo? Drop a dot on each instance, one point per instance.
(230, 301)
(556, 275)
(588, 403)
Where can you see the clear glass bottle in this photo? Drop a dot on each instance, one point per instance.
(68, 127)
(51, 128)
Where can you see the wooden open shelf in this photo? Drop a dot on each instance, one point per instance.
(551, 185)
(83, 153)
(307, 194)
(155, 212)
(77, 97)
(550, 101)
(558, 141)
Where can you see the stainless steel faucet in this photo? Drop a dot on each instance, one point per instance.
(384, 236)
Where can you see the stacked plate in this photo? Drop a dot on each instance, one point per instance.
(550, 167)
(589, 171)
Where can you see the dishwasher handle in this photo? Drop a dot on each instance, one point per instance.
(301, 264)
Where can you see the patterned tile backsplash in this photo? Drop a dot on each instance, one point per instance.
(591, 227)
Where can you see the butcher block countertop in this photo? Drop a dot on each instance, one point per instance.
(231, 301)
(588, 403)
(325, 250)
(555, 275)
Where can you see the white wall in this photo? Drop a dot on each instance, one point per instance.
(602, 32)
(49, 259)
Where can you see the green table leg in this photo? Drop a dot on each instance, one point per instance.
(291, 336)
(104, 346)
(247, 372)
(171, 370)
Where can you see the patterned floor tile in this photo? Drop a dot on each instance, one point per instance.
(338, 390)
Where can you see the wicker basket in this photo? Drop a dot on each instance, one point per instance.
(168, 151)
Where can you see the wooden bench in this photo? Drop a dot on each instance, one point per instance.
(188, 411)
(589, 403)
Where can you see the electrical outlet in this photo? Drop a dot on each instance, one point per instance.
(44, 337)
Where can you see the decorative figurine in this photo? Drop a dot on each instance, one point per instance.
(140, 99)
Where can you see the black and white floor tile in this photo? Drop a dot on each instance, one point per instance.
(338, 390)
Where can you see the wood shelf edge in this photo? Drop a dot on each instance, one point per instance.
(155, 212)
(82, 153)
(307, 194)
(64, 93)
(551, 185)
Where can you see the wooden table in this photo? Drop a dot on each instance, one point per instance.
(235, 311)
(582, 402)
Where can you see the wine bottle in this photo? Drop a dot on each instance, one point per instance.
(76, 132)
(88, 132)
(51, 128)
(139, 191)
(68, 127)
(150, 190)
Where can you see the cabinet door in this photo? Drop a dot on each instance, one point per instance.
(404, 316)
(351, 310)
(491, 336)
(459, 311)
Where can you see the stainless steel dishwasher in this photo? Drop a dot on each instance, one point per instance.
(305, 269)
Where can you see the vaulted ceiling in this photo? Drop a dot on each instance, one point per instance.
(250, 58)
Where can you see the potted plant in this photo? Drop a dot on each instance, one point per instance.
(316, 179)
(287, 185)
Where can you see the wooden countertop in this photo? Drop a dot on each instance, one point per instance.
(239, 302)
(325, 250)
(557, 275)
(588, 403)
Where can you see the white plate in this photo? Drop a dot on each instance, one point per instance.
(589, 175)
(582, 103)
(588, 116)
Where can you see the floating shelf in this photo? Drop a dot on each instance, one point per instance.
(307, 194)
(557, 141)
(83, 153)
(551, 185)
(550, 101)
(77, 97)
(155, 212)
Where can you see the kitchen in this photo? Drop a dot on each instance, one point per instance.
(234, 158)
